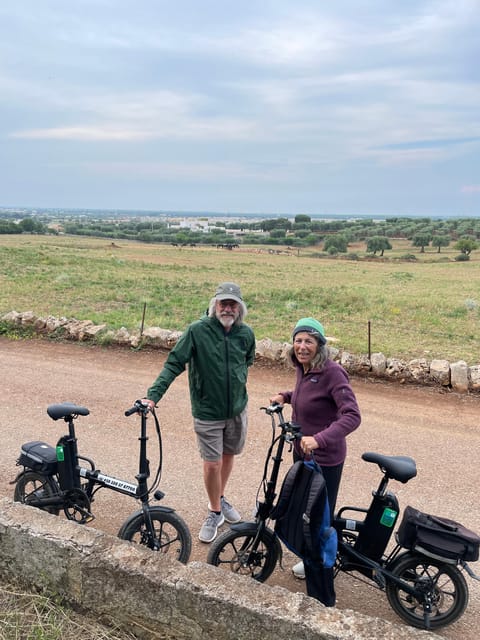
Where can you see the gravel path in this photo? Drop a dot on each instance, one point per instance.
(440, 430)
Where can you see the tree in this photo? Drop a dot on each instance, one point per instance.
(29, 225)
(302, 218)
(421, 240)
(378, 243)
(440, 241)
(275, 223)
(466, 245)
(335, 244)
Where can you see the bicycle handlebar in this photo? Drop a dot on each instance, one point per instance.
(290, 430)
(273, 408)
(138, 407)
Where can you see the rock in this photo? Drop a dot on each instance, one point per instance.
(440, 372)
(459, 376)
(378, 363)
(419, 370)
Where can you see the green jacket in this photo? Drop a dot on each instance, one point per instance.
(217, 368)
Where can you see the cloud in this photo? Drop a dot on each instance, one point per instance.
(198, 172)
(275, 92)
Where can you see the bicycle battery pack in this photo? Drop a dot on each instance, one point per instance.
(38, 456)
(378, 526)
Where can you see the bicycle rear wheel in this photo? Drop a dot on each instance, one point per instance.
(31, 487)
(170, 533)
(238, 550)
(441, 583)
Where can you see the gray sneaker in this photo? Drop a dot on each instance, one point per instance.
(208, 532)
(229, 512)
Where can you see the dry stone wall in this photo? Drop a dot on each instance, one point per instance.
(156, 597)
(455, 376)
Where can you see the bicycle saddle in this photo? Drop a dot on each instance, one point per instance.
(401, 468)
(66, 409)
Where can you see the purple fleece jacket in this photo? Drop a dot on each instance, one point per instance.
(325, 407)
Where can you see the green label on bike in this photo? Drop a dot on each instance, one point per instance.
(60, 453)
(388, 517)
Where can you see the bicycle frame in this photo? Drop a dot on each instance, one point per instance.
(289, 432)
(372, 534)
(70, 473)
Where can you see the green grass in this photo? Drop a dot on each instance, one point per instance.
(426, 308)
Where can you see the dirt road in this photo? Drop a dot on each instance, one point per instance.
(440, 430)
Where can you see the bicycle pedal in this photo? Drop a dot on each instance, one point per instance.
(86, 516)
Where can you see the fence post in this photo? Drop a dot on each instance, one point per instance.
(143, 319)
(370, 342)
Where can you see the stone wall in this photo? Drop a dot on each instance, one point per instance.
(156, 597)
(456, 376)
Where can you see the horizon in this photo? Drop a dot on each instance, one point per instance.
(220, 214)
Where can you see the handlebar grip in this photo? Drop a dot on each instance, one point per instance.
(139, 406)
(275, 407)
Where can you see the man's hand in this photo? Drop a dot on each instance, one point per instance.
(149, 403)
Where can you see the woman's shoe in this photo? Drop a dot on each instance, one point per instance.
(299, 570)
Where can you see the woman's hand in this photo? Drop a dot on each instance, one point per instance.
(278, 399)
(308, 444)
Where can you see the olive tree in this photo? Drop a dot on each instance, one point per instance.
(440, 241)
(378, 243)
(466, 245)
(335, 244)
(421, 240)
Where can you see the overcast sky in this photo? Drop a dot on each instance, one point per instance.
(266, 106)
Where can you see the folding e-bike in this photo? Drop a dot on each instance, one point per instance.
(426, 588)
(53, 480)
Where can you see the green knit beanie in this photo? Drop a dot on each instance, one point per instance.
(310, 325)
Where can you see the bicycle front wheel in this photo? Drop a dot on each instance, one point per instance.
(169, 533)
(241, 551)
(439, 583)
(31, 487)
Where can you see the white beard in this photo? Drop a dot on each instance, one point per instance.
(226, 321)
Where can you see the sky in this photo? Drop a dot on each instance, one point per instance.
(267, 106)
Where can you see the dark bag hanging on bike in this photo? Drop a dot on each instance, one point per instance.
(302, 514)
(437, 537)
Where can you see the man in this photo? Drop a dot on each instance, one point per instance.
(218, 349)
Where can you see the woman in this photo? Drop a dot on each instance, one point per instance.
(325, 407)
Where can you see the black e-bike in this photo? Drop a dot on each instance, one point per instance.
(59, 479)
(425, 587)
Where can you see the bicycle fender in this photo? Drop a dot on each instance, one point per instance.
(20, 474)
(390, 566)
(244, 527)
(156, 507)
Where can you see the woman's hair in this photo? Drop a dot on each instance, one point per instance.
(242, 310)
(318, 360)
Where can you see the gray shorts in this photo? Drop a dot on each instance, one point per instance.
(216, 437)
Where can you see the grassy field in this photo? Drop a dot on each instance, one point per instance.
(426, 308)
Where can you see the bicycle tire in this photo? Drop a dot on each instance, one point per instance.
(171, 532)
(232, 550)
(443, 582)
(34, 485)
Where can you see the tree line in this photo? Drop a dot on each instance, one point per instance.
(333, 236)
